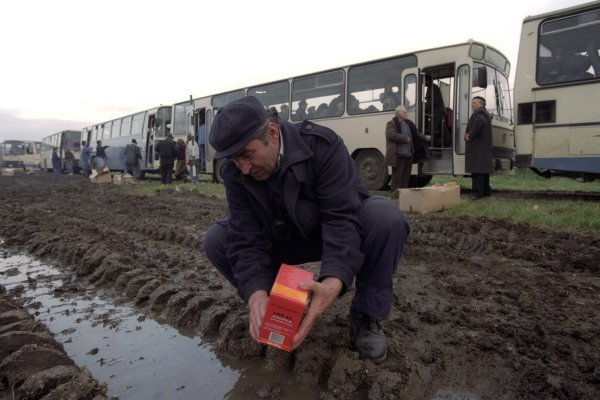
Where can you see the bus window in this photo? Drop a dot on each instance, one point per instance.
(116, 128)
(274, 95)
(376, 85)
(504, 101)
(220, 100)
(410, 95)
(485, 88)
(181, 112)
(126, 126)
(323, 93)
(569, 49)
(106, 131)
(137, 124)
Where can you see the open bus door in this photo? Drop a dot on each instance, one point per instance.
(412, 101)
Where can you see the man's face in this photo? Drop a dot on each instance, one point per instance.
(402, 114)
(259, 159)
(475, 104)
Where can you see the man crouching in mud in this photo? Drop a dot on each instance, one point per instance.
(294, 197)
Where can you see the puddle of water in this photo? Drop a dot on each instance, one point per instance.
(136, 356)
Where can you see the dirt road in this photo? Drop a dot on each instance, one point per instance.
(483, 309)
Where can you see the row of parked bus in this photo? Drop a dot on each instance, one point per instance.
(555, 128)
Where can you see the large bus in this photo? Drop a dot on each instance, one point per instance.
(146, 127)
(557, 93)
(23, 154)
(61, 140)
(357, 101)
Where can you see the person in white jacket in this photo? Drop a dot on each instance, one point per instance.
(191, 156)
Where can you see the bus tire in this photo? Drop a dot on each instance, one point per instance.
(371, 171)
(217, 176)
(417, 181)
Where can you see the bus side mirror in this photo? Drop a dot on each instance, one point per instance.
(482, 78)
(157, 122)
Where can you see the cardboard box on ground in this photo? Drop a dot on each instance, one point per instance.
(101, 175)
(8, 171)
(428, 199)
(119, 179)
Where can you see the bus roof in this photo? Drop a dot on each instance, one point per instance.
(556, 13)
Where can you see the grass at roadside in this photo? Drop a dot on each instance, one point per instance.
(580, 216)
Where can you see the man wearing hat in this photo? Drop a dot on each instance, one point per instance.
(294, 197)
(478, 151)
(167, 150)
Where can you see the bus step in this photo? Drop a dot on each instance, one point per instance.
(437, 167)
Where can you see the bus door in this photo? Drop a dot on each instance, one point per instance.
(412, 101)
(461, 112)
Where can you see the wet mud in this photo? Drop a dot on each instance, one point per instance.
(483, 309)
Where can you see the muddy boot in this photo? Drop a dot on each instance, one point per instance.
(367, 336)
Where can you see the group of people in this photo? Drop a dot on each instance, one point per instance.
(405, 145)
(183, 158)
(294, 196)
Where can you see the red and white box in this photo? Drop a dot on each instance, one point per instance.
(285, 310)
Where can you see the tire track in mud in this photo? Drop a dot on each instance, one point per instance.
(33, 365)
(475, 300)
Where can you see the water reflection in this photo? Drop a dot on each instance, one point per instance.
(138, 357)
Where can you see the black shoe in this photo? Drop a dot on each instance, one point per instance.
(475, 197)
(367, 337)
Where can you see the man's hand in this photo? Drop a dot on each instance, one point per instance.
(323, 294)
(257, 305)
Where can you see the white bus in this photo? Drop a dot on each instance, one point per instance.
(146, 127)
(61, 140)
(356, 101)
(557, 93)
(23, 154)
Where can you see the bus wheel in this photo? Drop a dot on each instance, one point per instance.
(419, 181)
(217, 176)
(372, 172)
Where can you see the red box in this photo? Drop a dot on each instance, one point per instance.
(286, 308)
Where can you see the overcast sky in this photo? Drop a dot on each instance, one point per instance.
(67, 64)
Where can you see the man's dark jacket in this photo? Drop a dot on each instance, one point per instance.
(322, 195)
(478, 150)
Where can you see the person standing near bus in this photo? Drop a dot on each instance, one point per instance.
(191, 156)
(294, 196)
(133, 155)
(86, 155)
(55, 162)
(100, 154)
(181, 169)
(478, 151)
(202, 142)
(167, 150)
(69, 159)
(404, 145)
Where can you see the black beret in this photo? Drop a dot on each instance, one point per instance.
(235, 124)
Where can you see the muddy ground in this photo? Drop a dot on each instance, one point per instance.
(483, 309)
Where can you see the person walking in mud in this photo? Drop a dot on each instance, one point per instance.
(478, 150)
(294, 197)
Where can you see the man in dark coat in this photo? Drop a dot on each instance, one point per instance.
(133, 155)
(478, 152)
(167, 150)
(294, 196)
(404, 145)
